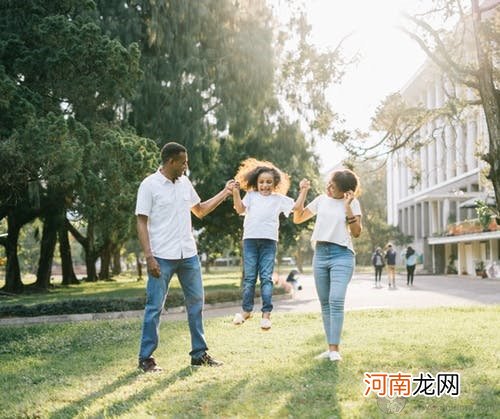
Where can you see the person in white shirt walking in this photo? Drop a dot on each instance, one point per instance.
(262, 205)
(165, 201)
(338, 217)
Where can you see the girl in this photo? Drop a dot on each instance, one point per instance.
(264, 201)
(338, 217)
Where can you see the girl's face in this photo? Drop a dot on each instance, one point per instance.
(265, 183)
(333, 191)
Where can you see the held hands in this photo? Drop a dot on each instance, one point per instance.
(305, 185)
(230, 185)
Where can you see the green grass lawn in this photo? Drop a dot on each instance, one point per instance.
(88, 369)
(122, 286)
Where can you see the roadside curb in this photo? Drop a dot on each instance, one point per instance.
(115, 315)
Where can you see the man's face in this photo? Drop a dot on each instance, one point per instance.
(178, 165)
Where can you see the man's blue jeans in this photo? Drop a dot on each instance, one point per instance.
(189, 274)
(333, 266)
(258, 259)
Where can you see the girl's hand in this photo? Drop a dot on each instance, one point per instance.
(230, 185)
(305, 184)
(348, 197)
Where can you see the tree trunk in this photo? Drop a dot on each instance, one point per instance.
(88, 246)
(490, 98)
(68, 273)
(51, 226)
(139, 267)
(12, 272)
(105, 261)
(117, 261)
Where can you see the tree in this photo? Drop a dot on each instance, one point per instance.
(60, 77)
(475, 28)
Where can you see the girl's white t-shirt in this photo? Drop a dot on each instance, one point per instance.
(331, 225)
(262, 214)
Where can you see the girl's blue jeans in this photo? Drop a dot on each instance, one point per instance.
(189, 273)
(258, 259)
(333, 266)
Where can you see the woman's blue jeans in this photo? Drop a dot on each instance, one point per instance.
(258, 259)
(189, 273)
(333, 266)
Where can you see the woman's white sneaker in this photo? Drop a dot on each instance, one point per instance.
(334, 356)
(323, 355)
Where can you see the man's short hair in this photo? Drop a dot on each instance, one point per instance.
(171, 151)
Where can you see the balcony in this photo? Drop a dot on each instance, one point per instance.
(470, 227)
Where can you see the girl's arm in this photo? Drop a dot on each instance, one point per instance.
(301, 214)
(237, 202)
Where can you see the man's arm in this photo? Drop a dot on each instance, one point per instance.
(203, 208)
(143, 234)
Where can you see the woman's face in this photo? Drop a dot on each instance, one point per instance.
(265, 183)
(333, 191)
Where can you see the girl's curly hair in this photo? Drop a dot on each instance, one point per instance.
(251, 168)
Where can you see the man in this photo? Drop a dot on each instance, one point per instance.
(165, 201)
(390, 257)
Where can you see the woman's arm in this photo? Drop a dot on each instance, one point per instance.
(354, 221)
(301, 214)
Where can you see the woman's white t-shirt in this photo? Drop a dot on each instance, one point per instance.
(262, 214)
(331, 225)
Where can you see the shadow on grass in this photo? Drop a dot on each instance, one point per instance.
(122, 406)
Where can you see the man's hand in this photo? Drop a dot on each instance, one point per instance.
(230, 185)
(153, 266)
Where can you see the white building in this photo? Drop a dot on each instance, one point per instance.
(425, 188)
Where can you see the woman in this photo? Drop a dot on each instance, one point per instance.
(411, 262)
(338, 217)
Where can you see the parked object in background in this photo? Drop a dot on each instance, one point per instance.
(293, 280)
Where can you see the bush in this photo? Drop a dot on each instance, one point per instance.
(80, 306)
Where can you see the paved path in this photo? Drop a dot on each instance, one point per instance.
(428, 291)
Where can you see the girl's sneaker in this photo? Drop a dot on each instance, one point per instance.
(265, 324)
(240, 318)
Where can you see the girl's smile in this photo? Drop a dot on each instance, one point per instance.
(265, 183)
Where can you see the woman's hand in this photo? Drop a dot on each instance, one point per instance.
(305, 184)
(348, 197)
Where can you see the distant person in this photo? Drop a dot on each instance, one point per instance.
(390, 257)
(411, 262)
(338, 217)
(378, 263)
(165, 201)
(264, 201)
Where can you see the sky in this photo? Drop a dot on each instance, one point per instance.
(388, 58)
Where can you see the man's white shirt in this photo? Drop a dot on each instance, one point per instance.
(168, 208)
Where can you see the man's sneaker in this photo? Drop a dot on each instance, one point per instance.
(335, 356)
(265, 324)
(323, 355)
(205, 360)
(149, 365)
